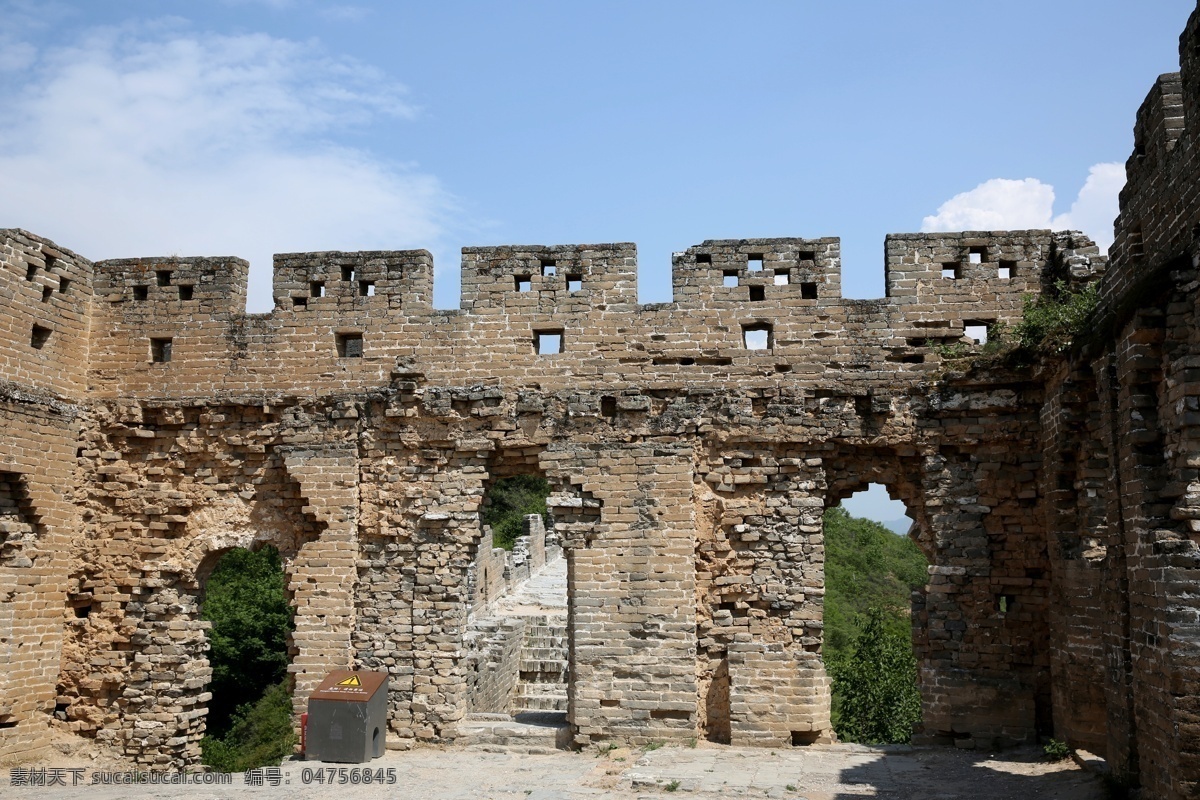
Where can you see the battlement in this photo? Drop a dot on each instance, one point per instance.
(391, 280)
(533, 278)
(745, 309)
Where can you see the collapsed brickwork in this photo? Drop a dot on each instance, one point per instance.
(150, 425)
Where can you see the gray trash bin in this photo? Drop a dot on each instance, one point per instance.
(347, 717)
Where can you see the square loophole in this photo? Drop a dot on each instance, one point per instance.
(366, 288)
(63, 285)
(976, 330)
(523, 283)
(977, 255)
(348, 274)
(160, 350)
(163, 277)
(316, 289)
(299, 303)
(47, 293)
(186, 291)
(782, 277)
(349, 345)
(729, 279)
(703, 258)
(808, 291)
(1007, 269)
(140, 293)
(757, 294)
(574, 283)
(951, 271)
(754, 262)
(549, 267)
(548, 343)
(758, 336)
(38, 337)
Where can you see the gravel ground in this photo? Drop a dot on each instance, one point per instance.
(830, 772)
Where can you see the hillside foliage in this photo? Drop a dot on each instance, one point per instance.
(249, 715)
(509, 500)
(870, 574)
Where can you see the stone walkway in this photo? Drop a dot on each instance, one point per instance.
(543, 594)
(708, 772)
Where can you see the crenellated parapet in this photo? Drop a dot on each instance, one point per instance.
(561, 315)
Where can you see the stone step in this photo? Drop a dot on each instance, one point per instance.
(523, 730)
(540, 702)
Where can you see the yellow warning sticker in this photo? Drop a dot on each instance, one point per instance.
(351, 681)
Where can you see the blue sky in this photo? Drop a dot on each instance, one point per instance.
(247, 127)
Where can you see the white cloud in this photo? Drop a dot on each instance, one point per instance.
(147, 142)
(1003, 204)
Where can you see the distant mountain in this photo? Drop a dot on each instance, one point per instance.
(898, 526)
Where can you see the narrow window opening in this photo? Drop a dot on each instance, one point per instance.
(687, 362)
(83, 612)
(806, 255)
(366, 288)
(783, 368)
(549, 267)
(976, 330)
(574, 283)
(164, 277)
(808, 291)
(63, 285)
(757, 294)
(950, 271)
(754, 262)
(757, 336)
(30, 271)
(160, 350)
(703, 258)
(39, 337)
(348, 274)
(349, 345)
(316, 289)
(141, 292)
(524, 283)
(782, 277)
(51, 262)
(608, 407)
(1139, 148)
(1006, 603)
(47, 293)
(1136, 248)
(548, 343)
(299, 302)
(730, 280)
(1008, 269)
(186, 291)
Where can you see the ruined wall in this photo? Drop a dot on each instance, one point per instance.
(44, 299)
(690, 470)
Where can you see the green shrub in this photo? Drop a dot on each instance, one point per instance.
(509, 500)
(876, 685)
(261, 734)
(1056, 750)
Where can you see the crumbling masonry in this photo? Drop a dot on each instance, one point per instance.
(150, 424)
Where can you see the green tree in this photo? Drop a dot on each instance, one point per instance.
(261, 734)
(877, 685)
(246, 602)
(509, 500)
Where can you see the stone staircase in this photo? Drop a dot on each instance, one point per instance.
(543, 672)
(537, 720)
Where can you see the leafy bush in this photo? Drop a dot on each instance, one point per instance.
(249, 715)
(1056, 750)
(877, 686)
(261, 734)
(509, 500)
